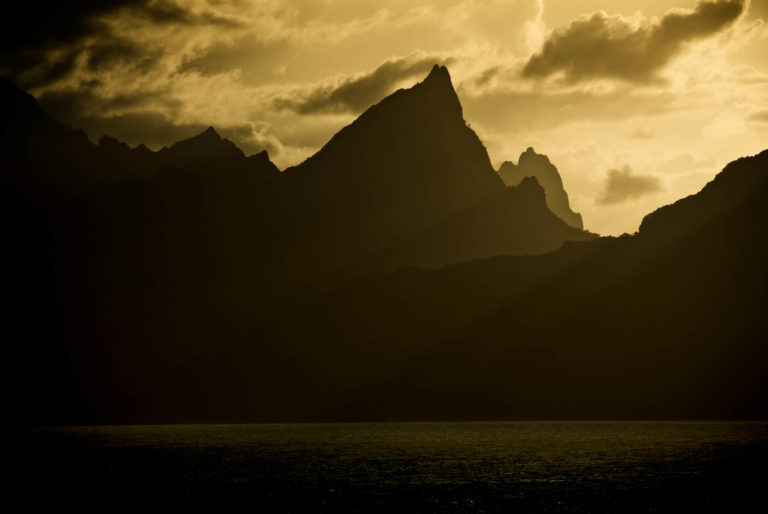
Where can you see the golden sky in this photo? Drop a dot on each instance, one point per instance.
(637, 103)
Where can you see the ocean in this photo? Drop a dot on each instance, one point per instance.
(396, 467)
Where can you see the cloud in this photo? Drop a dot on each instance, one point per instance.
(601, 46)
(170, 12)
(358, 92)
(31, 26)
(85, 102)
(760, 116)
(642, 134)
(256, 59)
(41, 47)
(130, 118)
(535, 111)
(623, 185)
(684, 163)
(759, 9)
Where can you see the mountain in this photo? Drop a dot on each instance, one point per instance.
(412, 146)
(538, 166)
(206, 152)
(139, 277)
(38, 150)
(196, 284)
(667, 324)
(421, 187)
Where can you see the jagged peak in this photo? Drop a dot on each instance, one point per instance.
(111, 142)
(210, 132)
(432, 99)
(262, 160)
(437, 90)
(260, 156)
(539, 166)
(438, 81)
(531, 184)
(531, 154)
(15, 102)
(208, 138)
(208, 135)
(438, 73)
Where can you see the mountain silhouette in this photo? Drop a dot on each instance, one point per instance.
(667, 324)
(411, 146)
(538, 166)
(38, 150)
(208, 151)
(421, 187)
(167, 263)
(196, 284)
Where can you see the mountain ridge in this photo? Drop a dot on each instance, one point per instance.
(414, 285)
(531, 164)
(631, 327)
(26, 128)
(410, 167)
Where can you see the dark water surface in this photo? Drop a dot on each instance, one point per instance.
(399, 467)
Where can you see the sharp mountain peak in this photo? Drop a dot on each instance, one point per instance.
(439, 75)
(210, 132)
(530, 155)
(532, 164)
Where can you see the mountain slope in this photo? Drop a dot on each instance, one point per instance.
(415, 147)
(142, 276)
(143, 291)
(36, 149)
(413, 173)
(538, 166)
(667, 324)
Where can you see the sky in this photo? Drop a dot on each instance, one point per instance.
(638, 103)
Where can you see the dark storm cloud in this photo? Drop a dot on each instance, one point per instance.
(46, 68)
(104, 55)
(39, 45)
(603, 46)
(43, 45)
(170, 12)
(32, 26)
(623, 184)
(357, 93)
(248, 53)
(74, 106)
